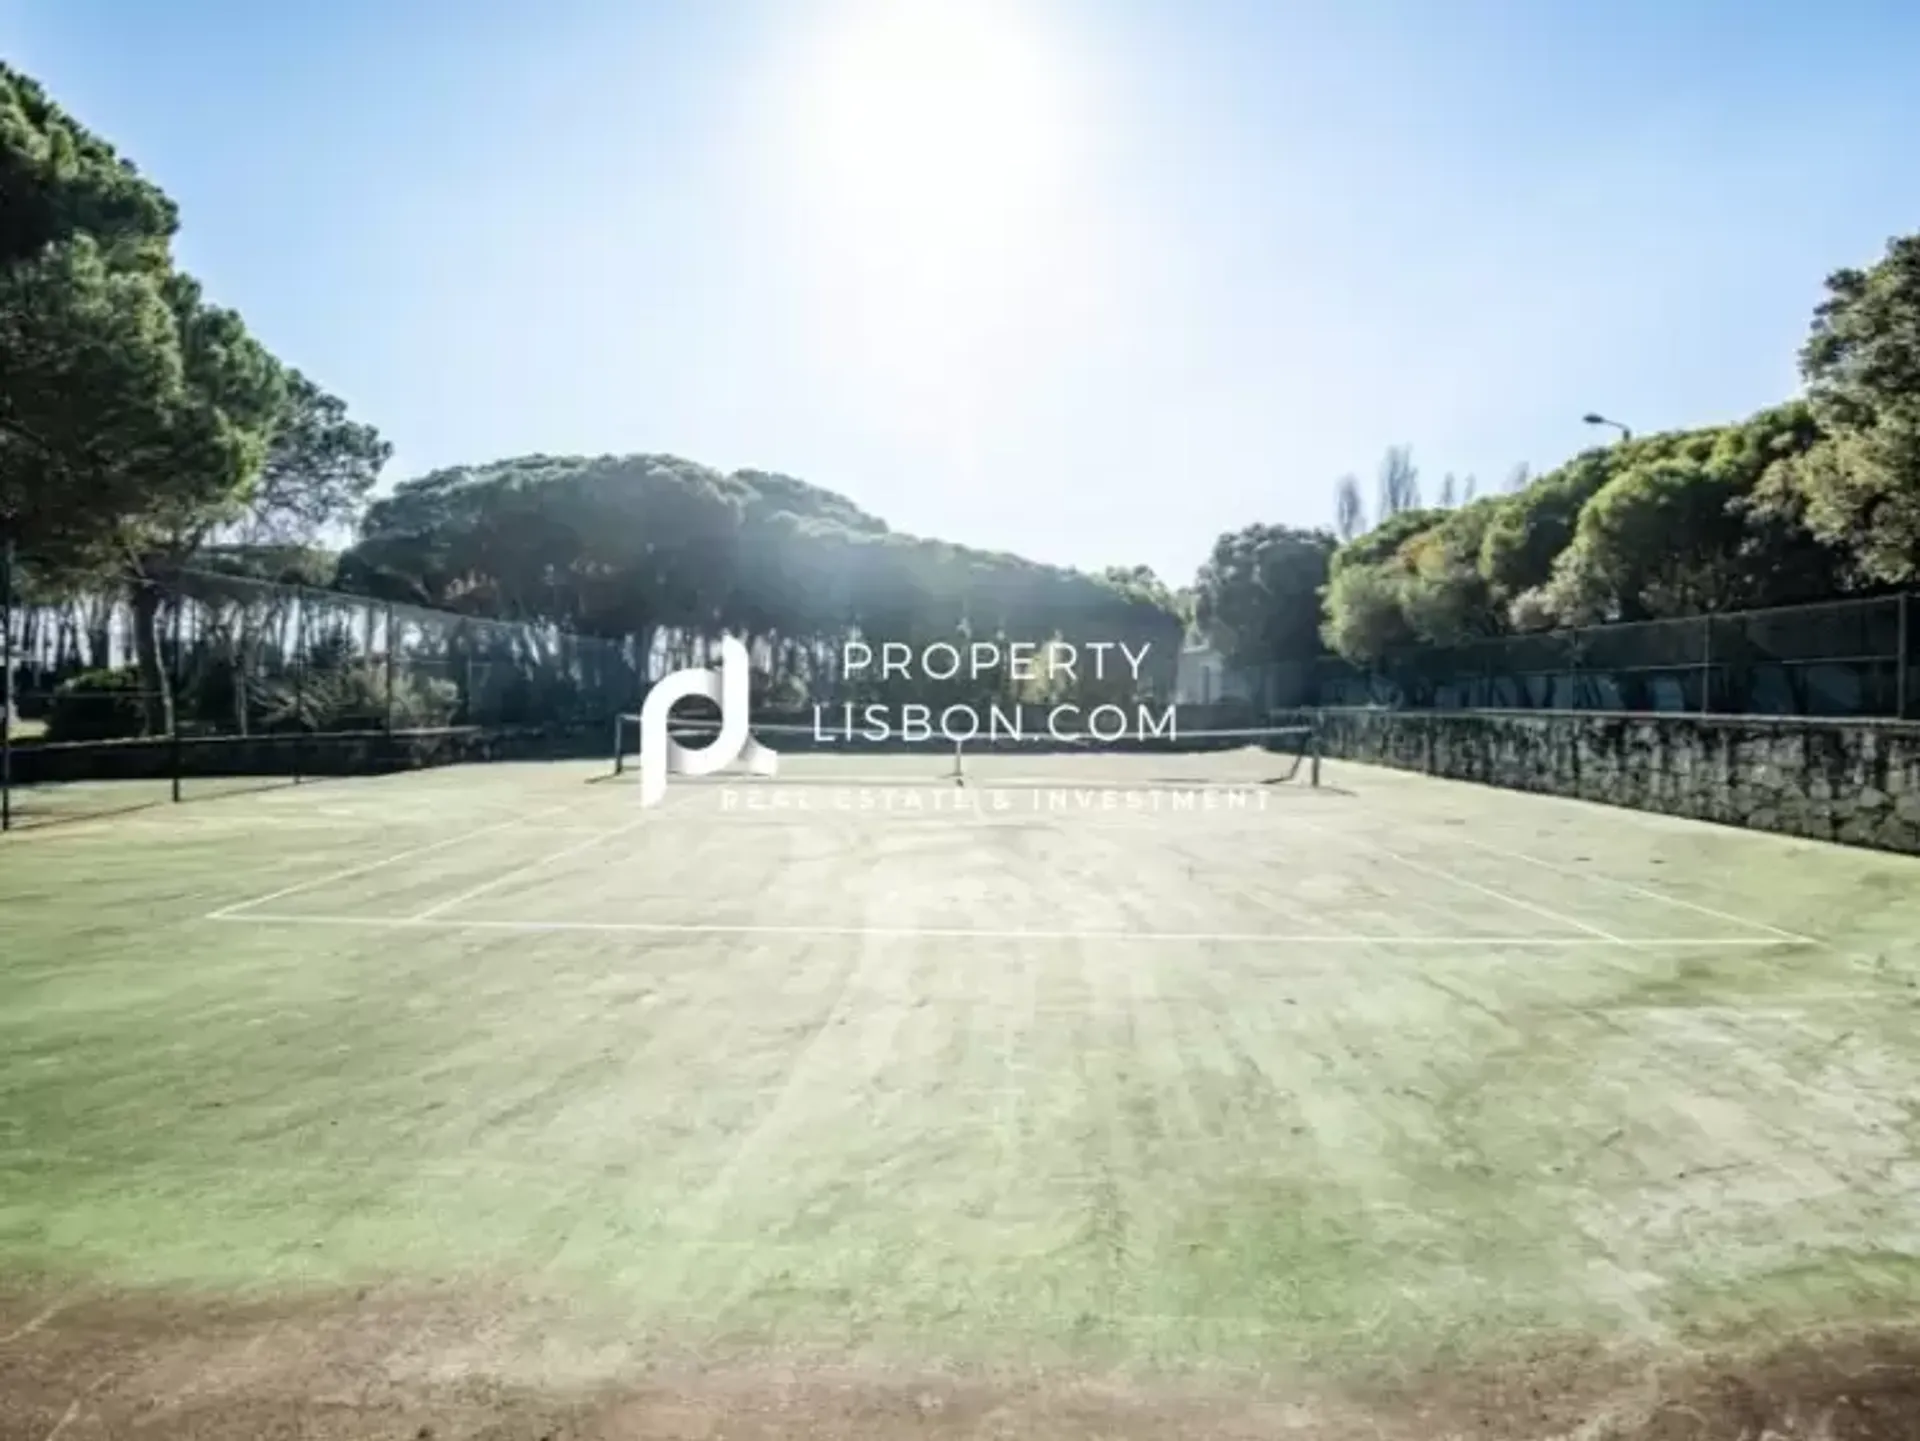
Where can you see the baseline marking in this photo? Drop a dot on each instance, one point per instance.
(965, 933)
(348, 872)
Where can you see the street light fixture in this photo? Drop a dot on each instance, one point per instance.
(1593, 419)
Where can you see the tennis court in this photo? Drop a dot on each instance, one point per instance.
(1090, 1097)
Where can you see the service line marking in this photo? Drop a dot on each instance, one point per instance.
(972, 933)
(348, 872)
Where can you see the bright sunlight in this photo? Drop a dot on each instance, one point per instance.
(932, 150)
(931, 126)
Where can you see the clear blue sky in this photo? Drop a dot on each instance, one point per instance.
(1187, 261)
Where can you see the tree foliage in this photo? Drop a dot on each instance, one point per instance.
(1366, 587)
(1385, 541)
(91, 376)
(94, 373)
(58, 180)
(1662, 525)
(136, 417)
(1366, 618)
(1349, 511)
(1399, 484)
(1445, 596)
(674, 552)
(141, 425)
(1800, 502)
(1536, 524)
(1257, 595)
(1861, 486)
(1682, 528)
(319, 469)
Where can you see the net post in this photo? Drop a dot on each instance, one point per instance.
(619, 745)
(1313, 753)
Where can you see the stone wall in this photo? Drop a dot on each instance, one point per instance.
(326, 754)
(1855, 782)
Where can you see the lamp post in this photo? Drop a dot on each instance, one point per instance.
(1592, 418)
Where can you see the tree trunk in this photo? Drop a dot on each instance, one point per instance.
(66, 651)
(99, 623)
(156, 698)
(642, 665)
(32, 623)
(240, 649)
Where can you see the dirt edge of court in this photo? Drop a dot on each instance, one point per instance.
(75, 1365)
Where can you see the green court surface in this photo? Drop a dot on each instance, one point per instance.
(1291, 1080)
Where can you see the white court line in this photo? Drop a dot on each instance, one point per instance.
(1066, 822)
(1013, 782)
(516, 872)
(534, 828)
(349, 872)
(1546, 912)
(970, 933)
(1755, 1002)
(1637, 890)
(822, 780)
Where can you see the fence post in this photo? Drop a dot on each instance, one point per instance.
(6, 684)
(176, 757)
(390, 670)
(299, 676)
(1706, 664)
(1903, 667)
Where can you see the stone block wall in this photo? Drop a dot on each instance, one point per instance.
(326, 754)
(1854, 782)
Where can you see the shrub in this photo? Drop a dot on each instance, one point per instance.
(421, 703)
(356, 699)
(1366, 617)
(97, 705)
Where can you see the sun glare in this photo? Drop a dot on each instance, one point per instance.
(932, 122)
(933, 162)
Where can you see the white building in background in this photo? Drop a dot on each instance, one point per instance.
(1204, 677)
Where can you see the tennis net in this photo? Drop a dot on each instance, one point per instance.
(1230, 758)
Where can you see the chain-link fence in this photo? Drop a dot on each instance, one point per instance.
(1840, 658)
(200, 682)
